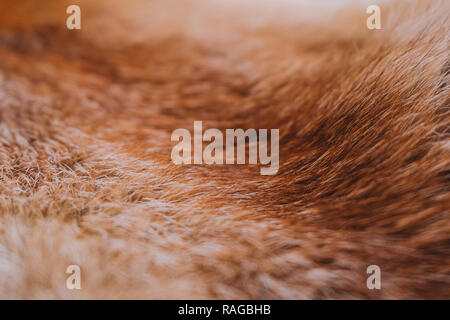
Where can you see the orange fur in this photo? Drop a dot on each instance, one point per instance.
(85, 170)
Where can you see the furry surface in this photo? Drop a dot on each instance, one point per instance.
(86, 175)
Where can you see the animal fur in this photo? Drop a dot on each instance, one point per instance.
(86, 175)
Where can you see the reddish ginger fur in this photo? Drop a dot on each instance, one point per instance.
(86, 175)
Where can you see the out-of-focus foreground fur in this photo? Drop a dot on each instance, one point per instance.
(87, 179)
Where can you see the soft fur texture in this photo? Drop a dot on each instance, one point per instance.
(87, 179)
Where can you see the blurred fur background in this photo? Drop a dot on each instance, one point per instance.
(87, 179)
